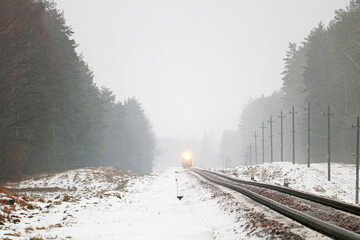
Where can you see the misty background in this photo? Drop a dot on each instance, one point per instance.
(194, 65)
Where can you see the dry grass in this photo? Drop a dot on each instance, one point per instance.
(319, 189)
(58, 225)
(36, 238)
(16, 197)
(66, 198)
(30, 207)
(16, 221)
(121, 186)
(21, 200)
(29, 190)
(109, 174)
(13, 234)
(2, 218)
(6, 210)
(76, 177)
(26, 198)
(10, 203)
(4, 190)
(7, 202)
(29, 229)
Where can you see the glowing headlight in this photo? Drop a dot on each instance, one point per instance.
(187, 156)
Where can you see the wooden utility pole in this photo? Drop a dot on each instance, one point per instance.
(255, 136)
(293, 131)
(271, 140)
(246, 158)
(328, 138)
(263, 140)
(281, 136)
(357, 160)
(308, 132)
(250, 147)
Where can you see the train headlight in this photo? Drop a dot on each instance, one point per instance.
(187, 157)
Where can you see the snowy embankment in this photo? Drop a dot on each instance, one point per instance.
(109, 203)
(313, 180)
(48, 201)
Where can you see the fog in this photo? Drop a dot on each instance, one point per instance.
(192, 64)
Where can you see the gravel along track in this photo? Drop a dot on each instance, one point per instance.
(327, 214)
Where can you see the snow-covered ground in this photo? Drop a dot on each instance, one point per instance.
(109, 203)
(313, 180)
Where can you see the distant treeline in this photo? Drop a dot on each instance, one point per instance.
(52, 116)
(324, 70)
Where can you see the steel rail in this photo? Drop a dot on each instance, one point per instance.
(323, 227)
(353, 209)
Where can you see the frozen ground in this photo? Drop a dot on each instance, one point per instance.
(109, 203)
(313, 179)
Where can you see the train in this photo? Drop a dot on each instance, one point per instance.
(187, 160)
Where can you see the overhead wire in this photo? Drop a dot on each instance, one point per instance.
(341, 125)
(343, 118)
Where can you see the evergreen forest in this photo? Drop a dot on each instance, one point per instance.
(53, 117)
(322, 72)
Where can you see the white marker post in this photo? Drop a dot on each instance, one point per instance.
(177, 191)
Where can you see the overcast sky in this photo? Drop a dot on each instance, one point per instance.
(193, 64)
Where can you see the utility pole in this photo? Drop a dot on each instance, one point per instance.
(328, 138)
(271, 138)
(281, 136)
(246, 157)
(255, 136)
(357, 160)
(308, 130)
(250, 147)
(263, 140)
(293, 131)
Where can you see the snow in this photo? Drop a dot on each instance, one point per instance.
(151, 211)
(147, 208)
(80, 182)
(313, 180)
(110, 203)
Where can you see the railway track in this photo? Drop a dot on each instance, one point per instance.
(332, 218)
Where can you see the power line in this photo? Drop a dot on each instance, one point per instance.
(343, 115)
(343, 120)
(341, 125)
(320, 109)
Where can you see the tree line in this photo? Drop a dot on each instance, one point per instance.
(325, 71)
(52, 115)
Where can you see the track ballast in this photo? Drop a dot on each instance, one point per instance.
(333, 223)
